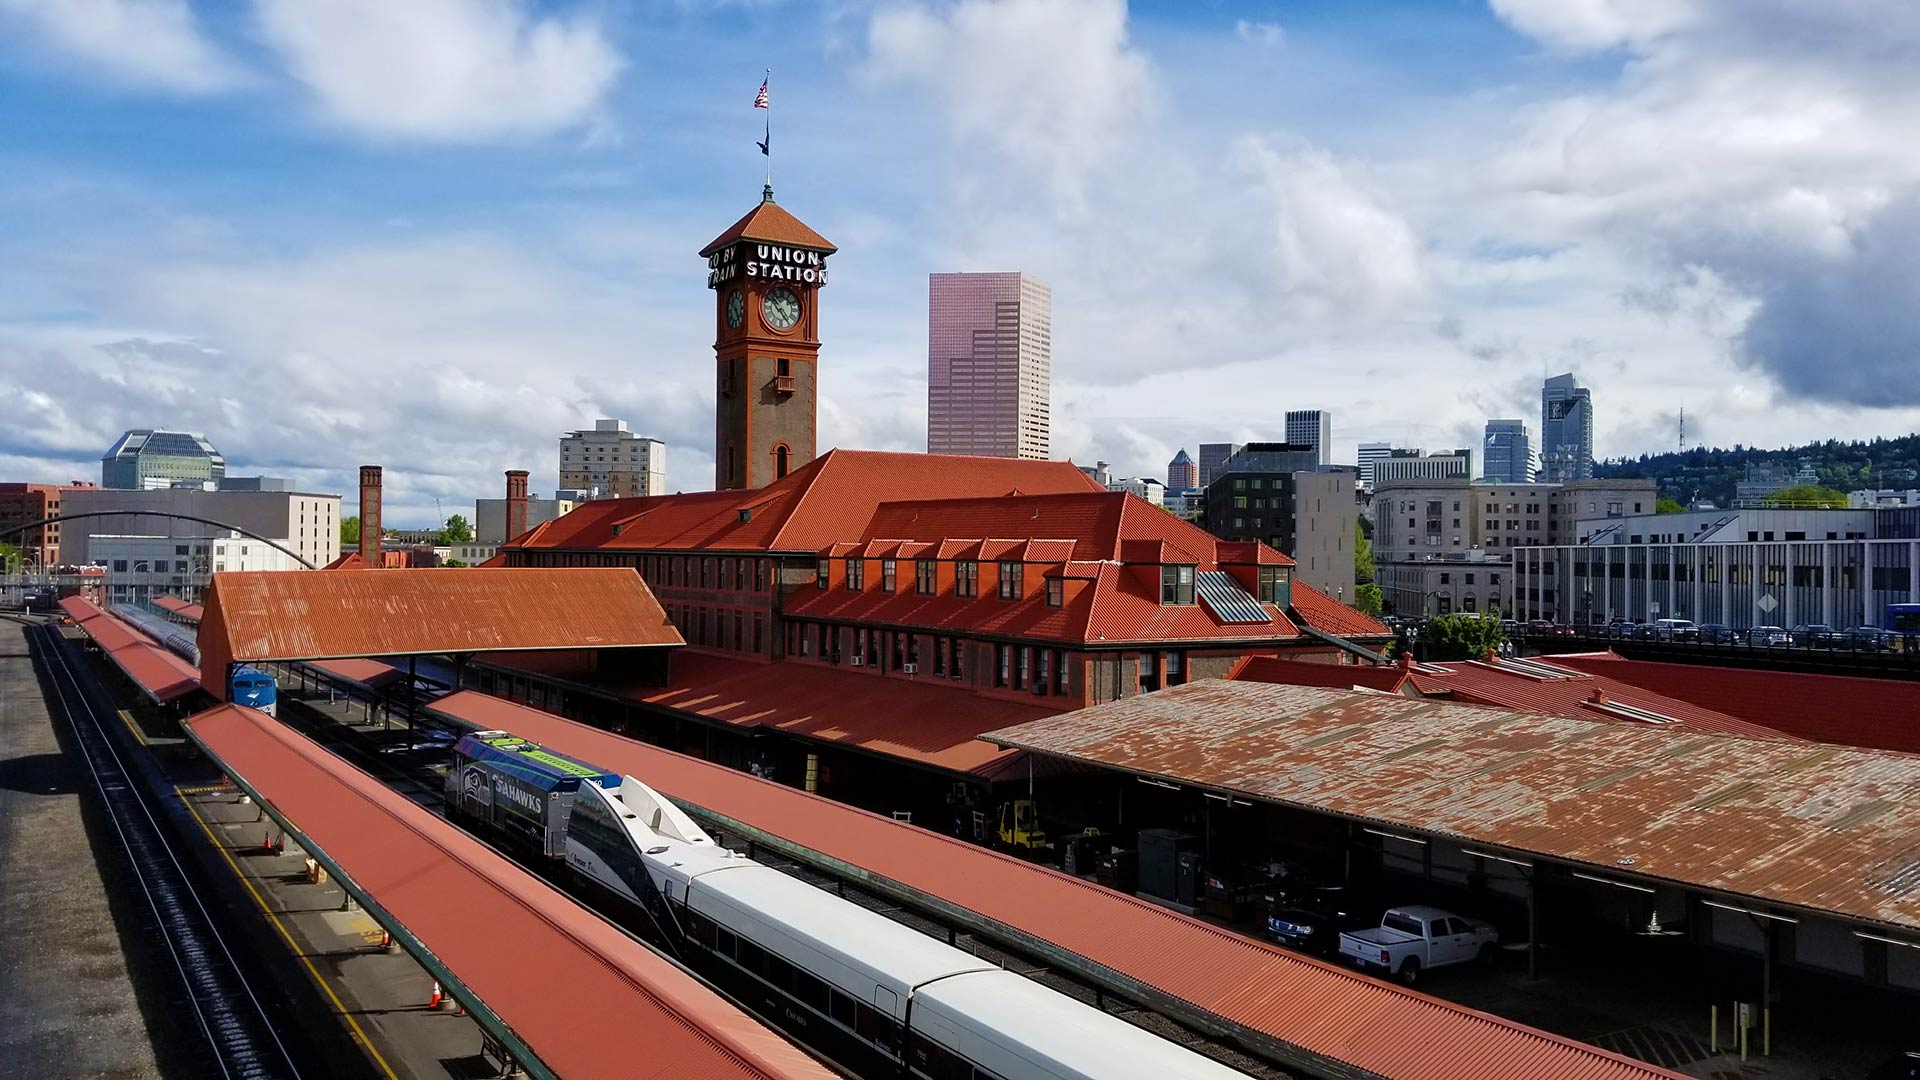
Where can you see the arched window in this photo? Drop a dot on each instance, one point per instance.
(781, 457)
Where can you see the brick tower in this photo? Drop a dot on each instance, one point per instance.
(766, 273)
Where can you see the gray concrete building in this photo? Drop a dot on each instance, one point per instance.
(306, 523)
(612, 461)
(1417, 464)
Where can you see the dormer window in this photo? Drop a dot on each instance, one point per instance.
(1275, 585)
(888, 570)
(1176, 584)
(1056, 592)
(925, 576)
(966, 578)
(856, 574)
(824, 573)
(1010, 581)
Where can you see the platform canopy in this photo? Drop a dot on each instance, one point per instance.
(260, 616)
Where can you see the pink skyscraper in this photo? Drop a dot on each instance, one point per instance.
(989, 365)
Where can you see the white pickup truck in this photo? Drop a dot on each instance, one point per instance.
(1410, 940)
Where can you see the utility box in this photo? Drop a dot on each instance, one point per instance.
(1160, 870)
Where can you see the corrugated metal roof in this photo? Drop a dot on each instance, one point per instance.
(159, 674)
(587, 999)
(1881, 714)
(1323, 612)
(1316, 1007)
(1817, 827)
(1270, 669)
(1516, 686)
(310, 616)
(371, 674)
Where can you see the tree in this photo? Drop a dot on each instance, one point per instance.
(456, 531)
(1462, 636)
(1368, 598)
(11, 561)
(456, 563)
(1362, 556)
(350, 531)
(1664, 505)
(1808, 495)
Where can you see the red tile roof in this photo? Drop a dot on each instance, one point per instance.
(771, 222)
(829, 500)
(1880, 714)
(588, 1000)
(1324, 613)
(1515, 686)
(1278, 995)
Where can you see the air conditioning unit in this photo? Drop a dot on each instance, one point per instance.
(858, 661)
(911, 669)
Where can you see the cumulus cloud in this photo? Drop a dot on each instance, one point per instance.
(147, 43)
(1051, 87)
(1259, 33)
(443, 70)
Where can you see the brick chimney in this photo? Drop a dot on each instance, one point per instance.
(516, 503)
(370, 515)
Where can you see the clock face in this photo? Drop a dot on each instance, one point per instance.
(782, 309)
(736, 309)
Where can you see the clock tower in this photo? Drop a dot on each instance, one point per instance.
(766, 273)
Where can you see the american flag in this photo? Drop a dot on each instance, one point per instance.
(760, 99)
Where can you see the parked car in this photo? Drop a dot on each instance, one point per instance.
(1869, 639)
(1308, 931)
(1539, 628)
(1621, 628)
(1768, 636)
(1675, 630)
(1714, 633)
(1410, 940)
(1812, 635)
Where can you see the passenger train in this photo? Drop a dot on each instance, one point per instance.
(246, 685)
(851, 983)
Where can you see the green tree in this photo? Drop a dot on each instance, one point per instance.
(11, 561)
(1664, 505)
(350, 531)
(456, 531)
(1368, 598)
(1362, 556)
(1808, 495)
(1462, 636)
(456, 563)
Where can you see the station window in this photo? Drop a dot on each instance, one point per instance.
(925, 576)
(1010, 580)
(856, 574)
(1056, 592)
(887, 570)
(823, 573)
(1176, 584)
(966, 578)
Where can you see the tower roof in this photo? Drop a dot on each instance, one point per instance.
(1181, 458)
(770, 222)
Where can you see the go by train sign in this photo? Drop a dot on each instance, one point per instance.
(767, 262)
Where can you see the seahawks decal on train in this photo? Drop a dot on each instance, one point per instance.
(850, 983)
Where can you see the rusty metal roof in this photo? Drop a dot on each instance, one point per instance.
(367, 674)
(293, 615)
(587, 999)
(1824, 828)
(159, 674)
(1316, 1009)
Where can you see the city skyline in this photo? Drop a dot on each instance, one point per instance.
(443, 285)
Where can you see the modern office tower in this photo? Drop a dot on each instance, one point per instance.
(1566, 430)
(1212, 456)
(1507, 455)
(989, 364)
(149, 458)
(1371, 452)
(1182, 473)
(1312, 427)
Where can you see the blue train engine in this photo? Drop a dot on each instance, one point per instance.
(518, 789)
(249, 686)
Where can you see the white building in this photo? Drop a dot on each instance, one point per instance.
(490, 517)
(306, 523)
(140, 568)
(1419, 465)
(613, 461)
(1371, 452)
(1146, 487)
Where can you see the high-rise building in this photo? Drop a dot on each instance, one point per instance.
(148, 458)
(617, 462)
(1371, 452)
(1281, 495)
(1507, 456)
(766, 273)
(1566, 430)
(1182, 473)
(1312, 427)
(1212, 456)
(989, 365)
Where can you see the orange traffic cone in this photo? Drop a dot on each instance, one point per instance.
(266, 841)
(434, 1001)
(386, 941)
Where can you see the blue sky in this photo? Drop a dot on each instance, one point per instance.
(436, 234)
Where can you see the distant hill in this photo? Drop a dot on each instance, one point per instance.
(1711, 473)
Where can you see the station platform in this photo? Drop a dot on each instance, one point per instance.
(160, 675)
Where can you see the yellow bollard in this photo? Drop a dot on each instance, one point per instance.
(1713, 1021)
(1766, 1031)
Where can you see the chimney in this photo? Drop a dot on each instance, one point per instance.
(370, 515)
(516, 503)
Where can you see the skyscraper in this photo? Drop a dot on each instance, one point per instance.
(1182, 473)
(146, 458)
(1371, 452)
(1312, 427)
(1507, 454)
(1566, 430)
(1213, 455)
(989, 365)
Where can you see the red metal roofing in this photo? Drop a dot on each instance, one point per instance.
(1880, 714)
(191, 612)
(772, 222)
(1324, 613)
(587, 999)
(1823, 828)
(348, 560)
(80, 609)
(1316, 1006)
(160, 674)
(828, 500)
(1267, 669)
(1512, 686)
(371, 674)
(169, 603)
(294, 616)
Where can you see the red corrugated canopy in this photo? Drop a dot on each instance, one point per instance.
(588, 1000)
(1316, 1006)
(371, 674)
(161, 675)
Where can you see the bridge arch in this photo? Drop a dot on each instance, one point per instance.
(248, 533)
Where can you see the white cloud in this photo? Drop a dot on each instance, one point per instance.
(1052, 87)
(444, 70)
(147, 43)
(1591, 25)
(1259, 33)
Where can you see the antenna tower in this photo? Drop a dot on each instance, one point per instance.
(1683, 429)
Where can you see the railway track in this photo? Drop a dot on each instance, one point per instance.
(241, 1040)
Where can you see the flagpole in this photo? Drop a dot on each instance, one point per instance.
(767, 133)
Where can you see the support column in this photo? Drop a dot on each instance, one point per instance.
(1533, 931)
